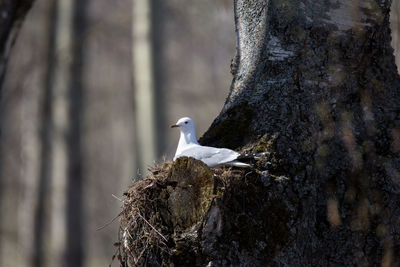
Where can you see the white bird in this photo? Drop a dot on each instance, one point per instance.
(212, 156)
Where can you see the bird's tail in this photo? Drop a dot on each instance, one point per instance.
(239, 164)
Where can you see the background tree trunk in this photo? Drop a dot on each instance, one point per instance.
(13, 13)
(76, 216)
(315, 84)
(11, 17)
(143, 77)
(41, 215)
(65, 108)
(60, 126)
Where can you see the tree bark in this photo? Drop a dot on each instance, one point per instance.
(315, 83)
(315, 87)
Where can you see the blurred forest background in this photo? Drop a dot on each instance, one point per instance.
(90, 90)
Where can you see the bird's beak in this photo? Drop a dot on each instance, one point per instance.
(174, 126)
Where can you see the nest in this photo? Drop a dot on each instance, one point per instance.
(167, 206)
(141, 222)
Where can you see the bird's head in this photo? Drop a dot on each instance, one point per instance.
(185, 124)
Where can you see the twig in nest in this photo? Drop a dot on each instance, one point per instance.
(108, 223)
(248, 174)
(135, 259)
(152, 227)
(117, 198)
(141, 253)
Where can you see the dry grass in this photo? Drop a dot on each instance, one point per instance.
(139, 237)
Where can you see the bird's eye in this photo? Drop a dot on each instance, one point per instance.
(186, 122)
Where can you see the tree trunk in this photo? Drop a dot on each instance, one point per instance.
(41, 216)
(315, 87)
(75, 251)
(315, 84)
(143, 83)
(62, 126)
(12, 15)
(59, 127)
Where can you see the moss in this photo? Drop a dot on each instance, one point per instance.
(261, 146)
(265, 144)
(233, 131)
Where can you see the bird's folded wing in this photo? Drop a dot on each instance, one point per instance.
(210, 155)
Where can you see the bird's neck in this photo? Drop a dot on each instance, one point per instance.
(186, 139)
